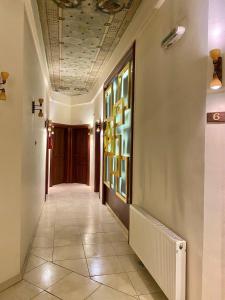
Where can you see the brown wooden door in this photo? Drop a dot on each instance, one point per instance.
(59, 156)
(80, 155)
(70, 155)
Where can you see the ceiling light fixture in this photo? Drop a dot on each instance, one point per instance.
(113, 6)
(216, 82)
(68, 3)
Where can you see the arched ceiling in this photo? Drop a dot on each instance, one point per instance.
(79, 41)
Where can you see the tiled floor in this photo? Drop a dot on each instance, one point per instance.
(80, 252)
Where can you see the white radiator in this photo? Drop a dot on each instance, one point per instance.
(162, 252)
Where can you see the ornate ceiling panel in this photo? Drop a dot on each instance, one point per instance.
(80, 40)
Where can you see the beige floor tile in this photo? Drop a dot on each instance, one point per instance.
(106, 293)
(117, 237)
(122, 248)
(20, 291)
(143, 282)
(95, 238)
(33, 262)
(76, 265)
(104, 265)
(46, 275)
(92, 228)
(114, 227)
(45, 296)
(120, 282)
(67, 232)
(68, 252)
(98, 250)
(130, 262)
(74, 240)
(39, 242)
(74, 287)
(154, 296)
(47, 232)
(45, 253)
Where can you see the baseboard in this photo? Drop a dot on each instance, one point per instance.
(125, 230)
(6, 284)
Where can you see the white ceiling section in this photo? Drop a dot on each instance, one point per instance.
(80, 40)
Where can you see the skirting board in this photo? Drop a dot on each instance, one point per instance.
(125, 231)
(10, 282)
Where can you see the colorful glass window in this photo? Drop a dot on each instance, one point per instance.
(117, 132)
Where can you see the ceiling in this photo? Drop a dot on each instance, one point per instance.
(79, 41)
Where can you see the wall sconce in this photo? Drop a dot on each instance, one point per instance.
(4, 77)
(38, 107)
(98, 126)
(216, 82)
(50, 127)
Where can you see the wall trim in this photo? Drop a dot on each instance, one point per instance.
(8, 283)
(60, 103)
(125, 231)
(99, 91)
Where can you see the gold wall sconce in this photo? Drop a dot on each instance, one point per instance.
(3, 78)
(50, 127)
(98, 126)
(38, 107)
(216, 82)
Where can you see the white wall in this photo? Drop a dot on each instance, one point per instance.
(11, 13)
(169, 121)
(82, 114)
(33, 143)
(214, 217)
(60, 108)
(59, 113)
(22, 163)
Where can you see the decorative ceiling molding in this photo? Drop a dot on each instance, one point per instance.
(79, 41)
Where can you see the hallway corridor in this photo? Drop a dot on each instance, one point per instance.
(80, 252)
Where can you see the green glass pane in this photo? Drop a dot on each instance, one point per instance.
(114, 169)
(108, 103)
(123, 179)
(125, 87)
(124, 131)
(115, 90)
(107, 169)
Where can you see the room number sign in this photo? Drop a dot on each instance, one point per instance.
(216, 117)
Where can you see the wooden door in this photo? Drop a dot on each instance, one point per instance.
(59, 156)
(79, 171)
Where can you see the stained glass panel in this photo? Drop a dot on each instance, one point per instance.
(117, 133)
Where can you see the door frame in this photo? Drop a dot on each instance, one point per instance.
(49, 154)
(119, 205)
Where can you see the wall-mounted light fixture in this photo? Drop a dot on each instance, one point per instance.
(38, 107)
(98, 126)
(216, 82)
(50, 127)
(3, 78)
